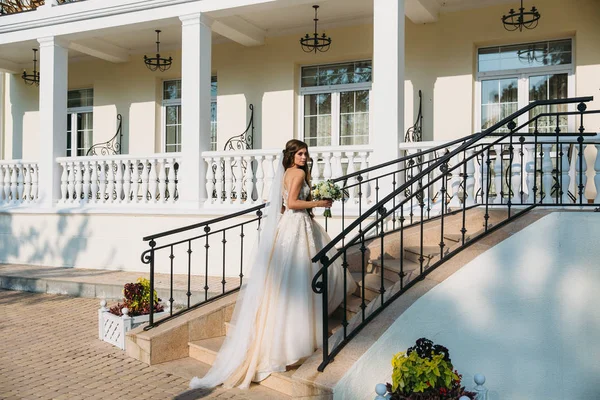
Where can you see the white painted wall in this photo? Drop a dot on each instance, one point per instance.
(525, 313)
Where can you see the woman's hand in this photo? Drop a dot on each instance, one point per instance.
(324, 203)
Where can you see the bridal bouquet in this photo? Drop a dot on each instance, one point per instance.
(326, 190)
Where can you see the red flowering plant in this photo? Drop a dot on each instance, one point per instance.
(425, 372)
(137, 299)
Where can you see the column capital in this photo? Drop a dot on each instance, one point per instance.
(195, 19)
(51, 41)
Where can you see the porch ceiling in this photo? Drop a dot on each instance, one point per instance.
(249, 27)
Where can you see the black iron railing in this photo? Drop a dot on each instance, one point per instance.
(186, 242)
(415, 132)
(110, 147)
(504, 194)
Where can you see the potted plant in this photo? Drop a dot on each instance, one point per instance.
(425, 372)
(115, 322)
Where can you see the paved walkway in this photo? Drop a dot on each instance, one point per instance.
(50, 350)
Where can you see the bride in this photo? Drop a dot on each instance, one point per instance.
(277, 321)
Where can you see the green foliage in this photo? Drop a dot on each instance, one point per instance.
(425, 372)
(415, 374)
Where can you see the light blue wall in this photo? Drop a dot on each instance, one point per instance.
(526, 314)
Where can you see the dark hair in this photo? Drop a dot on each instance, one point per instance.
(289, 153)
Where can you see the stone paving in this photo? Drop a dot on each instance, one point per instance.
(50, 350)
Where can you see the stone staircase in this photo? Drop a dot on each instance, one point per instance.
(195, 337)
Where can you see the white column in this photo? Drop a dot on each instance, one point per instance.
(2, 79)
(195, 107)
(388, 79)
(53, 117)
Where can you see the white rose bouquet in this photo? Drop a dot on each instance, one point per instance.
(326, 190)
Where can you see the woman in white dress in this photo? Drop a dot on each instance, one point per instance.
(277, 321)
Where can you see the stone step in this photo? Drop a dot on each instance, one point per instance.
(413, 253)
(372, 285)
(391, 268)
(352, 308)
(206, 351)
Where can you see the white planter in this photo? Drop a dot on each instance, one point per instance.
(112, 328)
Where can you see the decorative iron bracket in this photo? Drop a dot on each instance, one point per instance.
(245, 141)
(111, 147)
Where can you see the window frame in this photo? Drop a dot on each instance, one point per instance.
(522, 75)
(335, 91)
(73, 111)
(177, 102)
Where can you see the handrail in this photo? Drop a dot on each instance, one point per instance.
(473, 138)
(205, 223)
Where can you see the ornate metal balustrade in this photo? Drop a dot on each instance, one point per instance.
(112, 146)
(540, 173)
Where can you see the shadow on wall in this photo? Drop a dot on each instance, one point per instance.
(24, 107)
(42, 244)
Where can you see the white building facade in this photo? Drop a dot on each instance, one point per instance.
(238, 67)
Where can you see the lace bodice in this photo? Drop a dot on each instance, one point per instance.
(304, 193)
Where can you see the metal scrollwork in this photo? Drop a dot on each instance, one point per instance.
(415, 132)
(110, 147)
(244, 141)
(18, 6)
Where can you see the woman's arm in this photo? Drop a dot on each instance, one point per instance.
(296, 180)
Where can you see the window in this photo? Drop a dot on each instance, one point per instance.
(172, 115)
(510, 77)
(336, 103)
(80, 121)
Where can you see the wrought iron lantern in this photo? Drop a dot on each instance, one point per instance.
(32, 79)
(521, 19)
(316, 42)
(158, 63)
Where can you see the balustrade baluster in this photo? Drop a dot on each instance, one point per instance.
(34, 182)
(136, 177)
(110, 178)
(315, 172)
(220, 165)
(239, 179)
(228, 180)
(78, 181)
(20, 182)
(64, 182)
(126, 181)
(470, 182)
(351, 181)
(260, 178)
(86, 181)
(6, 183)
(269, 175)
(102, 179)
(498, 174)
(145, 177)
(547, 173)
(515, 179)
(172, 184)
(27, 183)
(365, 188)
(94, 182)
(71, 184)
(162, 181)
(210, 184)
(565, 180)
(581, 169)
(530, 170)
(119, 171)
(249, 180)
(337, 165)
(327, 170)
(152, 180)
(13, 184)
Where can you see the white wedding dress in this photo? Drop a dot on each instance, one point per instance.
(277, 320)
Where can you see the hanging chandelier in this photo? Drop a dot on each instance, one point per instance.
(316, 42)
(158, 63)
(32, 79)
(522, 19)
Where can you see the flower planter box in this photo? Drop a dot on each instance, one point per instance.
(112, 328)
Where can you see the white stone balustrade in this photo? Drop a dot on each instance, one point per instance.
(121, 179)
(18, 182)
(245, 177)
